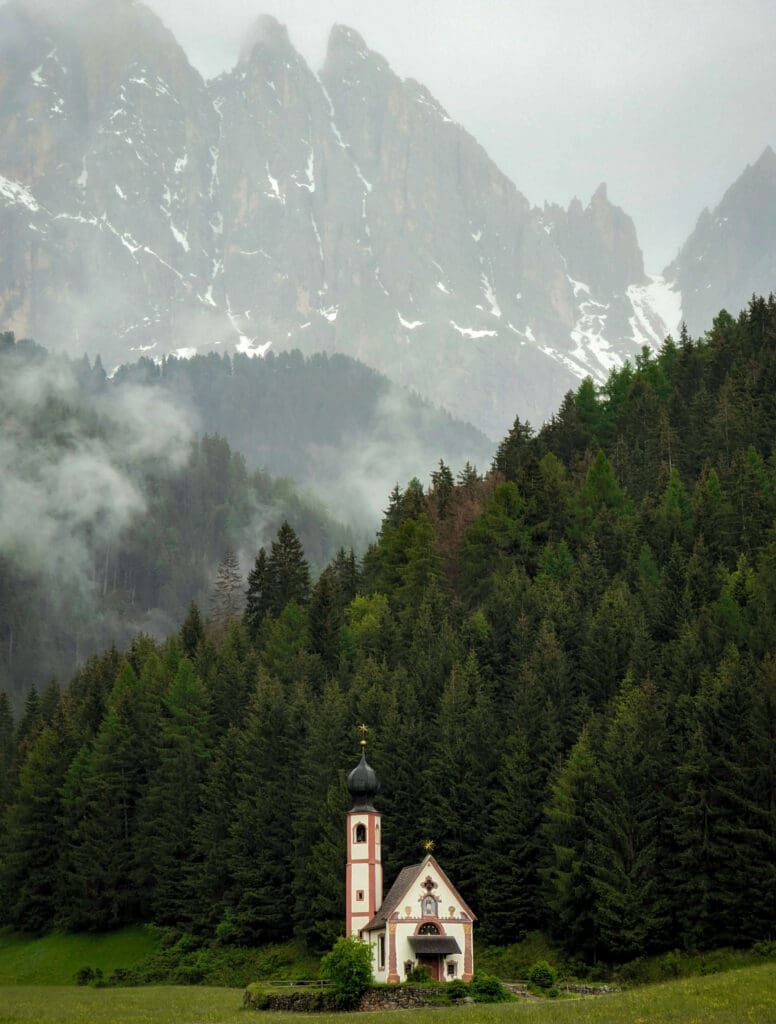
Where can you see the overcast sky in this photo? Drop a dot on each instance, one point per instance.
(665, 100)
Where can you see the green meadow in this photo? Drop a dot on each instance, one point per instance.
(744, 996)
(54, 959)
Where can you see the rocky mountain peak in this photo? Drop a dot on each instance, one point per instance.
(345, 41)
(268, 36)
(600, 194)
(732, 251)
(276, 209)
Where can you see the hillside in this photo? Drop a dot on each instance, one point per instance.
(335, 427)
(580, 644)
(116, 514)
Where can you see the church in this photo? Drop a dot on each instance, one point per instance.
(422, 921)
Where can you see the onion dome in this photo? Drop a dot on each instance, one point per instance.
(363, 785)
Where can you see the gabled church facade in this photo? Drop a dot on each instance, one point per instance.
(422, 921)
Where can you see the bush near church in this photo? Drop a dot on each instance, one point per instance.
(348, 969)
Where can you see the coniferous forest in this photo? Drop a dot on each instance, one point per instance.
(568, 668)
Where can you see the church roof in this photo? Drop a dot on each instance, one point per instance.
(434, 945)
(399, 890)
(363, 785)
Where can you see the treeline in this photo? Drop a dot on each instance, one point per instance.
(298, 416)
(113, 568)
(567, 666)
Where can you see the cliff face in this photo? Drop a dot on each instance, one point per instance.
(145, 210)
(731, 254)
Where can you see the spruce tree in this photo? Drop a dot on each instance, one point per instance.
(170, 804)
(259, 848)
(227, 590)
(30, 862)
(287, 571)
(257, 598)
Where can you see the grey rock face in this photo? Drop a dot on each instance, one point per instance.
(144, 210)
(731, 254)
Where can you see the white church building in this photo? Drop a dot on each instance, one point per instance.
(422, 921)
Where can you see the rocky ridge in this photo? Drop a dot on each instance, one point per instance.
(145, 210)
(731, 254)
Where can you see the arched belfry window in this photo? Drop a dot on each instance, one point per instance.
(360, 836)
(429, 928)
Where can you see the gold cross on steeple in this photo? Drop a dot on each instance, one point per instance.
(363, 729)
(428, 846)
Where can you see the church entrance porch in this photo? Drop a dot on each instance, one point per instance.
(435, 966)
(431, 951)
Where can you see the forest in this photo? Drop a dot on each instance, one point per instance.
(568, 668)
(116, 513)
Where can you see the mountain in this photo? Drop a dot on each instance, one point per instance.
(148, 211)
(731, 254)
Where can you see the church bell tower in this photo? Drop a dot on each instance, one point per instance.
(364, 872)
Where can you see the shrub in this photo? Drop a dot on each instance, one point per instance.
(348, 969)
(419, 975)
(542, 975)
(84, 976)
(456, 989)
(485, 988)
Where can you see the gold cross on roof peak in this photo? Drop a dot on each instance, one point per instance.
(428, 846)
(363, 729)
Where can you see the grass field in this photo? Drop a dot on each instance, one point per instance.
(53, 960)
(746, 996)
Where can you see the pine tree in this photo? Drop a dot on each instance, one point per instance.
(207, 874)
(514, 845)
(631, 911)
(227, 590)
(288, 572)
(515, 453)
(259, 847)
(169, 806)
(257, 602)
(102, 793)
(192, 632)
(570, 896)
(319, 807)
(30, 863)
(6, 750)
(462, 754)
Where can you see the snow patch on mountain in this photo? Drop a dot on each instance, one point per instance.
(471, 332)
(657, 310)
(18, 194)
(410, 325)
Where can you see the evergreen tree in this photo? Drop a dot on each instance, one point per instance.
(257, 602)
(288, 575)
(630, 910)
(30, 865)
(259, 847)
(192, 632)
(169, 806)
(102, 793)
(571, 898)
(511, 890)
(227, 596)
(6, 750)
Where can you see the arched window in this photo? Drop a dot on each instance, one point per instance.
(360, 833)
(429, 928)
(429, 906)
